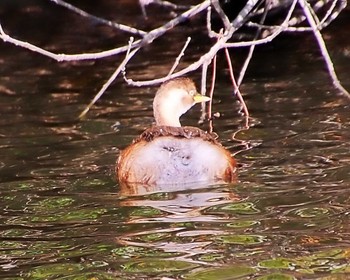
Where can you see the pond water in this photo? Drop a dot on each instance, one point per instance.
(63, 214)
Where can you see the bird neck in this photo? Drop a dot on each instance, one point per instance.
(165, 115)
(168, 106)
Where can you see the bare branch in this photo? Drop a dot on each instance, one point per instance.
(306, 8)
(144, 3)
(279, 29)
(63, 57)
(203, 91)
(244, 14)
(236, 89)
(332, 12)
(118, 26)
(221, 13)
(211, 33)
(147, 39)
(252, 10)
(207, 57)
(251, 48)
(181, 54)
(211, 94)
(120, 68)
(155, 33)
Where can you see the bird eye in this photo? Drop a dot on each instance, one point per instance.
(192, 92)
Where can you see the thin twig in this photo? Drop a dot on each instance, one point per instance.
(306, 8)
(115, 74)
(211, 32)
(332, 12)
(211, 94)
(147, 39)
(236, 89)
(63, 57)
(250, 9)
(203, 91)
(181, 54)
(252, 47)
(221, 13)
(243, 15)
(155, 33)
(278, 30)
(82, 13)
(207, 57)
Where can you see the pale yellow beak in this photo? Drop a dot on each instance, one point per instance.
(200, 98)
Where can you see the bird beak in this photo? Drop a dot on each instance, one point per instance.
(200, 98)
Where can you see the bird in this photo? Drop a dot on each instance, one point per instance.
(170, 154)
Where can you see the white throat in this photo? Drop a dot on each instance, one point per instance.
(168, 107)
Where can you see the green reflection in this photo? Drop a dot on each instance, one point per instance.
(242, 208)
(54, 203)
(211, 257)
(157, 266)
(242, 224)
(153, 237)
(77, 215)
(145, 212)
(335, 277)
(54, 270)
(314, 212)
(226, 273)
(277, 276)
(91, 276)
(242, 239)
(18, 233)
(134, 251)
(25, 186)
(277, 263)
(327, 261)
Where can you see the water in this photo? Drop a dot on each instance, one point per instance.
(64, 216)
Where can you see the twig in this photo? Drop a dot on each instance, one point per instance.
(181, 54)
(252, 47)
(120, 68)
(147, 39)
(211, 33)
(63, 57)
(306, 9)
(330, 15)
(250, 9)
(211, 94)
(167, 4)
(236, 89)
(243, 15)
(82, 13)
(203, 91)
(155, 33)
(207, 57)
(279, 29)
(222, 14)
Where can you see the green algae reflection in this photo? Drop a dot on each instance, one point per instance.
(54, 270)
(80, 215)
(222, 273)
(327, 261)
(157, 266)
(138, 252)
(241, 208)
(277, 276)
(242, 239)
(67, 271)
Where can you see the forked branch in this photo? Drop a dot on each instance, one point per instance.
(247, 17)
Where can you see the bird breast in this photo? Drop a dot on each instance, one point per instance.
(172, 160)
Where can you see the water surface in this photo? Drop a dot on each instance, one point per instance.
(64, 216)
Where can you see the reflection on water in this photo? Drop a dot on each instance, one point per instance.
(63, 215)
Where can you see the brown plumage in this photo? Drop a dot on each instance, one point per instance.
(170, 154)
